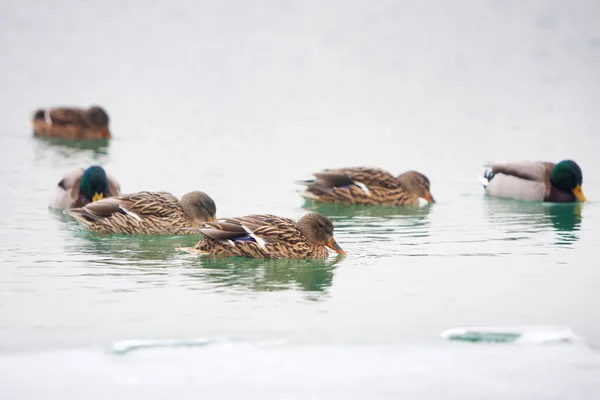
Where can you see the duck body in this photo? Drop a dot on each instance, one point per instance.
(147, 213)
(535, 181)
(83, 186)
(268, 236)
(71, 123)
(367, 186)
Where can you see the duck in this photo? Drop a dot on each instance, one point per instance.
(83, 186)
(71, 123)
(147, 213)
(535, 181)
(367, 186)
(268, 236)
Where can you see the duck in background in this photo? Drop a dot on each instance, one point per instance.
(71, 123)
(367, 186)
(147, 213)
(83, 186)
(535, 181)
(268, 236)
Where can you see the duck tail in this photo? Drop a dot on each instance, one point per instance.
(486, 177)
(193, 250)
(39, 114)
(82, 217)
(305, 183)
(308, 195)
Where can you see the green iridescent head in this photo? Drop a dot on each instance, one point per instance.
(567, 176)
(93, 183)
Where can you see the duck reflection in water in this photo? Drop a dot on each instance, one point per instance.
(131, 249)
(69, 148)
(377, 223)
(265, 275)
(564, 218)
(349, 211)
(163, 255)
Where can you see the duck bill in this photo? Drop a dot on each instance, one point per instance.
(578, 192)
(332, 244)
(97, 196)
(429, 198)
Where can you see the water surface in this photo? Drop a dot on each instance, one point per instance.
(241, 99)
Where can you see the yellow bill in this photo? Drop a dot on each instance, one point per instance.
(578, 192)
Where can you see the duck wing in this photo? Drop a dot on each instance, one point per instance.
(137, 205)
(261, 228)
(363, 177)
(529, 170)
(65, 116)
(525, 180)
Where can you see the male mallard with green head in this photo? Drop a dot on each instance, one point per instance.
(536, 181)
(80, 187)
(367, 186)
(71, 123)
(268, 236)
(147, 213)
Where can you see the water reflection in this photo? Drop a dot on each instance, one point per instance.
(265, 275)
(343, 210)
(67, 148)
(368, 231)
(564, 219)
(129, 252)
(64, 220)
(131, 249)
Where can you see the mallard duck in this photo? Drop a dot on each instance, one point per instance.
(536, 181)
(367, 186)
(71, 123)
(268, 236)
(80, 187)
(147, 213)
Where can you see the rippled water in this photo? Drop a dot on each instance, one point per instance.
(241, 99)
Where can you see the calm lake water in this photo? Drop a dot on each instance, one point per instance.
(239, 99)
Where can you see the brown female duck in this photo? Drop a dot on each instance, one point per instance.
(71, 123)
(367, 186)
(80, 187)
(268, 236)
(147, 213)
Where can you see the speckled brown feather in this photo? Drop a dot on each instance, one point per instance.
(159, 213)
(339, 186)
(68, 123)
(282, 236)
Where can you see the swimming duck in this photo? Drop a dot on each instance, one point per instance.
(147, 213)
(536, 181)
(367, 186)
(268, 236)
(80, 187)
(71, 123)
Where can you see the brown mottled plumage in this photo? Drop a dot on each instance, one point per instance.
(268, 236)
(147, 213)
(367, 186)
(71, 123)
